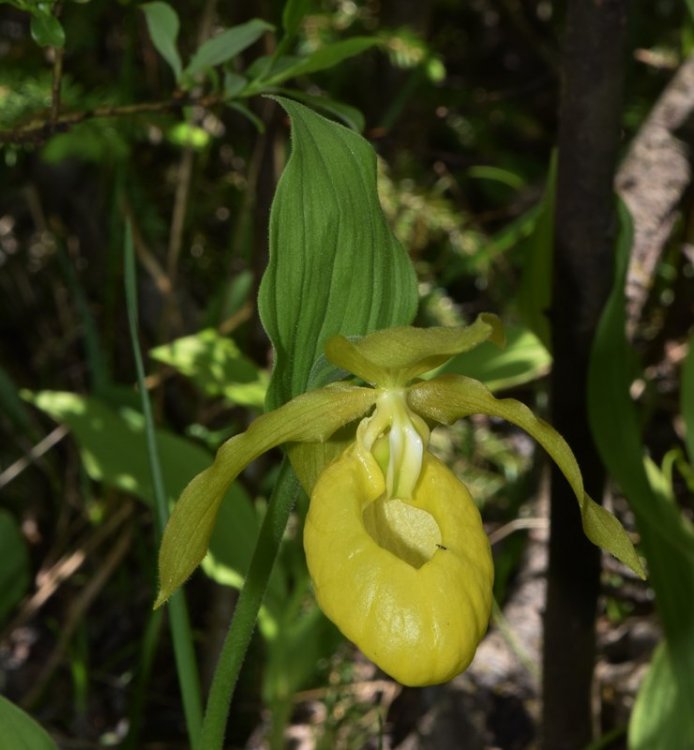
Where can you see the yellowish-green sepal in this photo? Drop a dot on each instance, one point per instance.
(395, 356)
(313, 417)
(451, 397)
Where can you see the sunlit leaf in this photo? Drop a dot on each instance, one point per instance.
(451, 397)
(163, 25)
(335, 266)
(523, 359)
(217, 366)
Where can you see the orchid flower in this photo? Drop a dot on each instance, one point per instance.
(394, 543)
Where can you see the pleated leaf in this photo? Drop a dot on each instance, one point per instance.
(335, 266)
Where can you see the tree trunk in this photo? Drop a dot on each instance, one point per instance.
(589, 130)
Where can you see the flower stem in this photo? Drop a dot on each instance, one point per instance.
(242, 625)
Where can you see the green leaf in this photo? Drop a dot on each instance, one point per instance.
(217, 366)
(666, 541)
(113, 448)
(46, 29)
(227, 45)
(687, 398)
(451, 397)
(14, 573)
(293, 14)
(20, 731)
(523, 359)
(335, 266)
(313, 416)
(324, 58)
(535, 295)
(163, 25)
(395, 356)
(350, 116)
(661, 719)
(114, 451)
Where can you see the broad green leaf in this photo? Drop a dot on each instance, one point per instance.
(335, 266)
(687, 398)
(112, 444)
(313, 416)
(20, 731)
(217, 366)
(661, 719)
(350, 116)
(535, 296)
(451, 397)
(114, 451)
(46, 29)
(523, 359)
(666, 541)
(14, 572)
(323, 59)
(395, 356)
(163, 25)
(227, 45)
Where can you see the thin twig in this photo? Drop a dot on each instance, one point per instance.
(76, 613)
(37, 132)
(517, 525)
(49, 580)
(15, 469)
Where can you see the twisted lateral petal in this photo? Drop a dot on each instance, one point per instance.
(395, 356)
(450, 397)
(419, 605)
(314, 416)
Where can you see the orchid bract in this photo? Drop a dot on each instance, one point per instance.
(394, 543)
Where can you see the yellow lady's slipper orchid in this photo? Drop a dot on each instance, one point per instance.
(394, 544)
(406, 573)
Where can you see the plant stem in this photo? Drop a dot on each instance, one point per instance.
(239, 636)
(188, 678)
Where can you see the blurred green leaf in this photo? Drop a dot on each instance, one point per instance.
(217, 366)
(293, 14)
(661, 719)
(14, 572)
(163, 25)
(186, 134)
(687, 398)
(667, 542)
(20, 731)
(535, 294)
(226, 45)
(46, 29)
(322, 59)
(523, 359)
(335, 266)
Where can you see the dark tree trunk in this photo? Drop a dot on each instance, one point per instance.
(589, 129)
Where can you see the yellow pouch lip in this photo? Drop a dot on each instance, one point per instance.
(420, 625)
